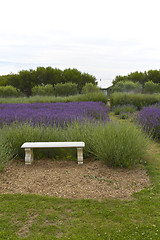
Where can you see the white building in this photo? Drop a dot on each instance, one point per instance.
(105, 85)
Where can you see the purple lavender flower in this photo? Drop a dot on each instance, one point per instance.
(149, 119)
(53, 113)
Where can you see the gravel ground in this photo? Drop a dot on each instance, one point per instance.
(67, 179)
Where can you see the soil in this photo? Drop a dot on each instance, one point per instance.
(67, 179)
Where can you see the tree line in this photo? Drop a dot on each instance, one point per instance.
(141, 77)
(26, 80)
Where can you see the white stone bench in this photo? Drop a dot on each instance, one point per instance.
(28, 146)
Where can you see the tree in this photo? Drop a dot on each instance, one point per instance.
(71, 75)
(151, 87)
(56, 76)
(119, 79)
(75, 76)
(46, 90)
(3, 80)
(86, 78)
(40, 78)
(65, 89)
(142, 78)
(138, 77)
(26, 82)
(154, 76)
(90, 88)
(127, 86)
(13, 80)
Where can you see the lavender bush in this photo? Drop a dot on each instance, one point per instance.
(149, 119)
(138, 100)
(53, 113)
(93, 97)
(117, 144)
(126, 108)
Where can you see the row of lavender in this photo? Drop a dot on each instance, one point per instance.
(149, 119)
(63, 113)
(119, 145)
(53, 113)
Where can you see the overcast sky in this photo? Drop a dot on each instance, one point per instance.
(104, 38)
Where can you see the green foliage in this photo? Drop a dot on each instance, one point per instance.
(117, 144)
(75, 76)
(138, 100)
(153, 75)
(95, 97)
(142, 78)
(127, 86)
(151, 87)
(124, 108)
(134, 77)
(3, 80)
(40, 90)
(9, 91)
(124, 115)
(90, 88)
(48, 75)
(25, 80)
(71, 76)
(13, 80)
(65, 89)
(86, 78)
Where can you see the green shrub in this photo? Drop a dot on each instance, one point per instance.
(66, 89)
(9, 91)
(90, 88)
(138, 100)
(46, 90)
(151, 87)
(119, 144)
(116, 144)
(95, 97)
(124, 115)
(128, 108)
(12, 137)
(127, 86)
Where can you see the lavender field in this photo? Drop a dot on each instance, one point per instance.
(53, 113)
(72, 121)
(149, 119)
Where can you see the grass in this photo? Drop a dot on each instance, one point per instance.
(41, 217)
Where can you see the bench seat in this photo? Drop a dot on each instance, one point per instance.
(28, 146)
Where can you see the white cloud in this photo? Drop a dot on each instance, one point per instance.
(102, 37)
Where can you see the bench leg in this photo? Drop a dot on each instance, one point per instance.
(28, 155)
(80, 155)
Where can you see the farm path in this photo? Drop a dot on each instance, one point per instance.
(67, 179)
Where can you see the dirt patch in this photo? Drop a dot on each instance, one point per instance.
(24, 230)
(67, 179)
